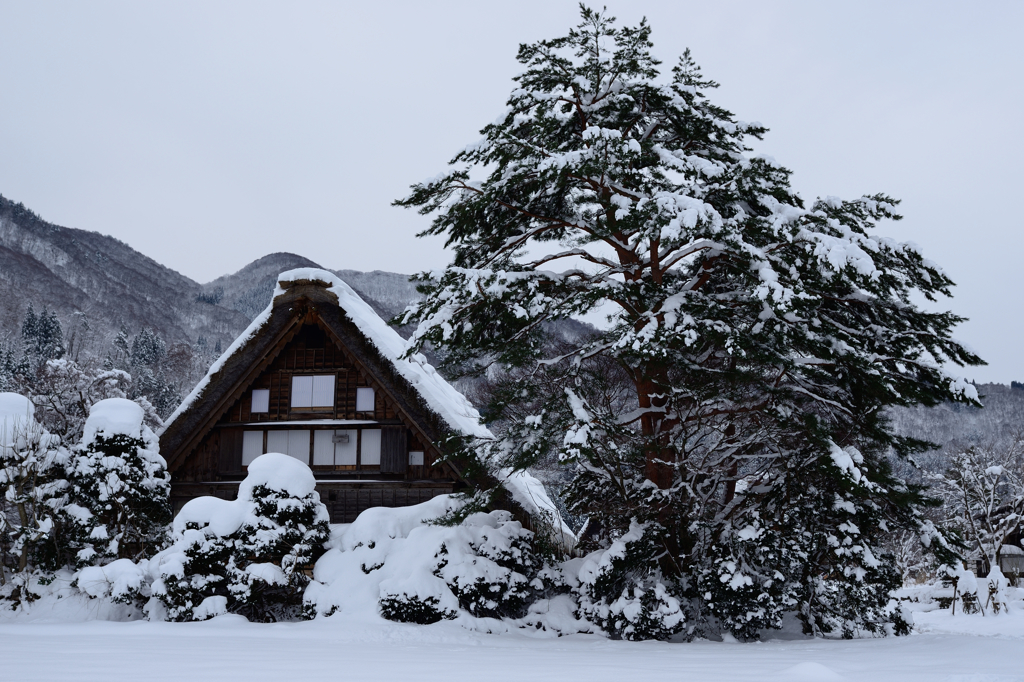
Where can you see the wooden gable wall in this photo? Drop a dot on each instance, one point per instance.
(310, 350)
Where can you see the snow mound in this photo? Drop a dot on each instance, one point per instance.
(112, 417)
(15, 408)
(223, 517)
(810, 671)
(118, 580)
(398, 563)
(18, 425)
(278, 472)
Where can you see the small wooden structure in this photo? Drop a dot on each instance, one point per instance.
(318, 376)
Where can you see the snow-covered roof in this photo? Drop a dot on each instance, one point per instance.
(437, 395)
(441, 397)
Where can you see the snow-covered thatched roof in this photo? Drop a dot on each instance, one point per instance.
(440, 396)
(435, 407)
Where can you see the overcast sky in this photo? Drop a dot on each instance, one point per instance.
(208, 134)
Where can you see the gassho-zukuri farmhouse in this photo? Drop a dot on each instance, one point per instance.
(319, 376)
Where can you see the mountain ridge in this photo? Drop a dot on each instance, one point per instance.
(91, 277)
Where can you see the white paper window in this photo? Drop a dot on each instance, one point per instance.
(298, 445)
(252, 446)
(323, 391)
(332, 448)
(260, 400)
(345, 447)
(323, 448)
(415, 458)
(302, 392)
(364, 400)
(370, 451)
(277, 441)
(315, 391)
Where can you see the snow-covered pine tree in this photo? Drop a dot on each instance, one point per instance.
(753, 341)
(32, 486)
(279, 541)
(249, 556)
(119, 489)
(42, 336)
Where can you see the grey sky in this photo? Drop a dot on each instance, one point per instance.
(209, 134)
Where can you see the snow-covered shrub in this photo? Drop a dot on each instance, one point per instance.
(407, 567)
(119, 489)
(249, 556)
(32, 486)
(413, 604)
(965, 587)
(197, 565)
(997, 598)
(122, 581)
(622, 590)
(489, 566)
(739, 582)
(280, 539)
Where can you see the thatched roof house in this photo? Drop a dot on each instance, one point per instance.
(320, 377)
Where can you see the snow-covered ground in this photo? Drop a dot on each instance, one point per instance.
(945, 648)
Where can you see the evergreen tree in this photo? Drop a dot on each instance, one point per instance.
(31, 489)
(734, 405)
(120, 350)
(8, 379)
(285, 535)
(119, 489)
(30, 327)
(250, 556)
(42, 338)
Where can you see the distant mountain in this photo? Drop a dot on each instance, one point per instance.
(248, 290)
(95, 281)
(955, 426)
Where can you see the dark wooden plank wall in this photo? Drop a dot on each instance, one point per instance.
(219, 454)
(344, 502)
(394, 450)
(298, 358)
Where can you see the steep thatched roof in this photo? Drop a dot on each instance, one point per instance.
(425, 401)
(434, 407)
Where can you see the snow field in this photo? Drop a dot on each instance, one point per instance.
(229, 648)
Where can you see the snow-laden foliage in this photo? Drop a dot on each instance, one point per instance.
(622, 591)
(32, 487)
(248, 556)
(983, 494)
(404, 564)
(118, 503)
(753, 341)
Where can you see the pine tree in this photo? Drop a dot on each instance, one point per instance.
(753, 342)
(284, 536)
(250, 556)
(119, 489)
(42, 338)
